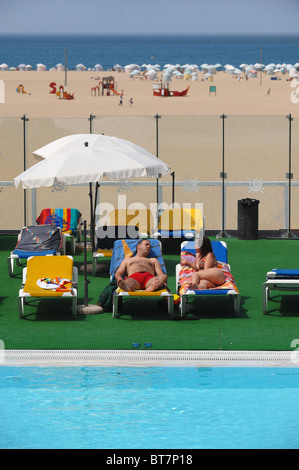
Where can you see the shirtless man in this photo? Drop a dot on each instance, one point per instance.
(143, 273)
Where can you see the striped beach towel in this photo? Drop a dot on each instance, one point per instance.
(66, 219)
(185, 275)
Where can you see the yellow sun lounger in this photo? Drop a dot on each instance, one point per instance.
(177, 225)
(49, 277)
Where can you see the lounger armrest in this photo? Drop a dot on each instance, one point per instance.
(75, 276)
(24, 275)
(177, 272)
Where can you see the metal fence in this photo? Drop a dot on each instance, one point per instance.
(215, 160)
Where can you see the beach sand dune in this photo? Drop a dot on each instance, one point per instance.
(232, 97)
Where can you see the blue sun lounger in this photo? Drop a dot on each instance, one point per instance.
(126, 248)
(35, 240)
(281, 280)
(105, 242)
(228, 289)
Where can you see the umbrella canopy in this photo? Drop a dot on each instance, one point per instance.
(88, 158)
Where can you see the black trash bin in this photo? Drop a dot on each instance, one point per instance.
(248, 219)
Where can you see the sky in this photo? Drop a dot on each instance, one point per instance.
(149, 16)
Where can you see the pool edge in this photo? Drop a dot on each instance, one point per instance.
(149, 358)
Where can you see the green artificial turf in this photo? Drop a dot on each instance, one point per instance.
(211, 325)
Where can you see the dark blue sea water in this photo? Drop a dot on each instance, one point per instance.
(110, 50)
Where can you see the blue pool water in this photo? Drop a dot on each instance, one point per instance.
(148, 408)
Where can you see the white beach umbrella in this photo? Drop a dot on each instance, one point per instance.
(292, 72)
(167, 77)
(134, 73)
(80, 67)
(88, 158)
(229, 69)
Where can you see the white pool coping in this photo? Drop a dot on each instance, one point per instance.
(148, 358)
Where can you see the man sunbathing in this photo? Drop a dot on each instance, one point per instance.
(143, 273)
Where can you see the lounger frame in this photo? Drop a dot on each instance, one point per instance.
(275, 283)
(16, 256)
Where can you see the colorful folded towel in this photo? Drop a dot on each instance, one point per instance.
(66, 219)
(56, 284)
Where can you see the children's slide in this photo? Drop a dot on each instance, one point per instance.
(112, 89)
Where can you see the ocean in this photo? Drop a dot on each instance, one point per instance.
(109, 50)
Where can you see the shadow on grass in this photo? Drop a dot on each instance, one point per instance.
(50, 310)
(285, 305)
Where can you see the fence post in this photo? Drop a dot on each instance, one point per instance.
(91, 118)
(223, 175)
(25, 119)
(289, 175)
(157, 117)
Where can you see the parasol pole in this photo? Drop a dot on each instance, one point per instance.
(86, 281)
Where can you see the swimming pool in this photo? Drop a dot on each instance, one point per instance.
(91, 407)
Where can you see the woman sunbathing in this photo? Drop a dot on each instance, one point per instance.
(206, 273)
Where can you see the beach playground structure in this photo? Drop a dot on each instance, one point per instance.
(60, 93)
(20, 89)
(162, 89)
(106, 85)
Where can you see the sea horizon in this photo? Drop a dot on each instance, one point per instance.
(124, 49)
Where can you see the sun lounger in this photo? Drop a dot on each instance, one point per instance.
(35, 240)
(49, 277)
(105, 242)
(125, 248)
(140, 218)
(228, 289)
(69, 222)
(281, 280)
(179, 224)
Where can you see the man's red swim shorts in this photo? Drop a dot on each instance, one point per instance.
(142, 278)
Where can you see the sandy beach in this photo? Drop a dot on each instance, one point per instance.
(257, 130)
(233, 96)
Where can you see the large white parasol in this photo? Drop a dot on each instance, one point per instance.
(88, 158)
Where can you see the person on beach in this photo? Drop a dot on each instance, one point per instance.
(206, 272)
(120, 100)
(131, 102)
(143, 273)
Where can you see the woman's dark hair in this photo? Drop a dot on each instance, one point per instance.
(206, 246)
